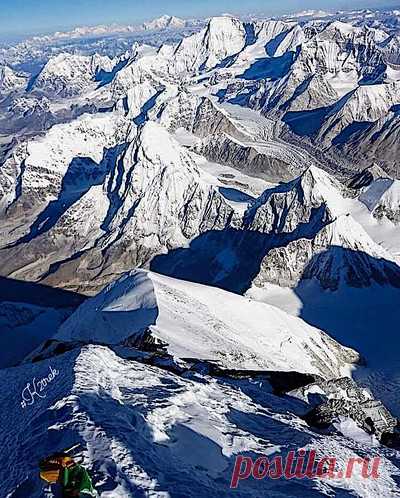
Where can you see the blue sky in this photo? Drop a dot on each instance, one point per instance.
(34, 16)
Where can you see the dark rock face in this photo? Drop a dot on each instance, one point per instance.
(281, 382)
(343, 397)
(223, 149)
(370, 415)
(366, 177)
(391, 439)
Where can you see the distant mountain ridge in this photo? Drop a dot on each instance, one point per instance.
(199, 230)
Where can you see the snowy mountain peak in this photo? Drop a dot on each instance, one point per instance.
(10, 80)
(346, 255)
(223, 37)
(338, 255)
(297, 199)
(66, 63)
(225, 34)
(165, 22)
(314, 237)
(341, 27)
(318, 186)
(340, 30)
(227, 22)
(316, 176)
(155, 143)
(370, 102)
(347, 233)
(206, 323)
(69, 74)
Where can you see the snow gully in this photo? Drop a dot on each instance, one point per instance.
(300, 466)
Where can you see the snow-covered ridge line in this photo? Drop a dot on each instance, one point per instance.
(163, 22)
(11, 80)
(143, 194)
(145, 430)
(196, 321)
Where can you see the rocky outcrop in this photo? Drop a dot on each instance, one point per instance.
(198, 115)
(366, 177)
(344, 398)
(270, 162)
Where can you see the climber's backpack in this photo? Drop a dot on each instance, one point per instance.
(51, 467)
(50, 471)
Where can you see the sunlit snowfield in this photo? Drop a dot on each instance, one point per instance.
(200, 233)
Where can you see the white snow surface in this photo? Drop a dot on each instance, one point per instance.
(198, 321)
(71, 74)
(350, 429)
(148, 432)
(10, 80)
(48, 157)
(164, 22)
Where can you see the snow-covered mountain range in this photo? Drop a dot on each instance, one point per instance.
(109, 40)
(340, 78)
(200, 231)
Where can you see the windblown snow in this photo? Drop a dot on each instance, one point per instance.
(197, 321)
(147, 431)
(200, 227)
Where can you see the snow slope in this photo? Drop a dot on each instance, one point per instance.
(148, 432)
(203, 322)
(69, 75)
(365, 319)
(10, 80)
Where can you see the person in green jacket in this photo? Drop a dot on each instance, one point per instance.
(61, 471)
(76, 482)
